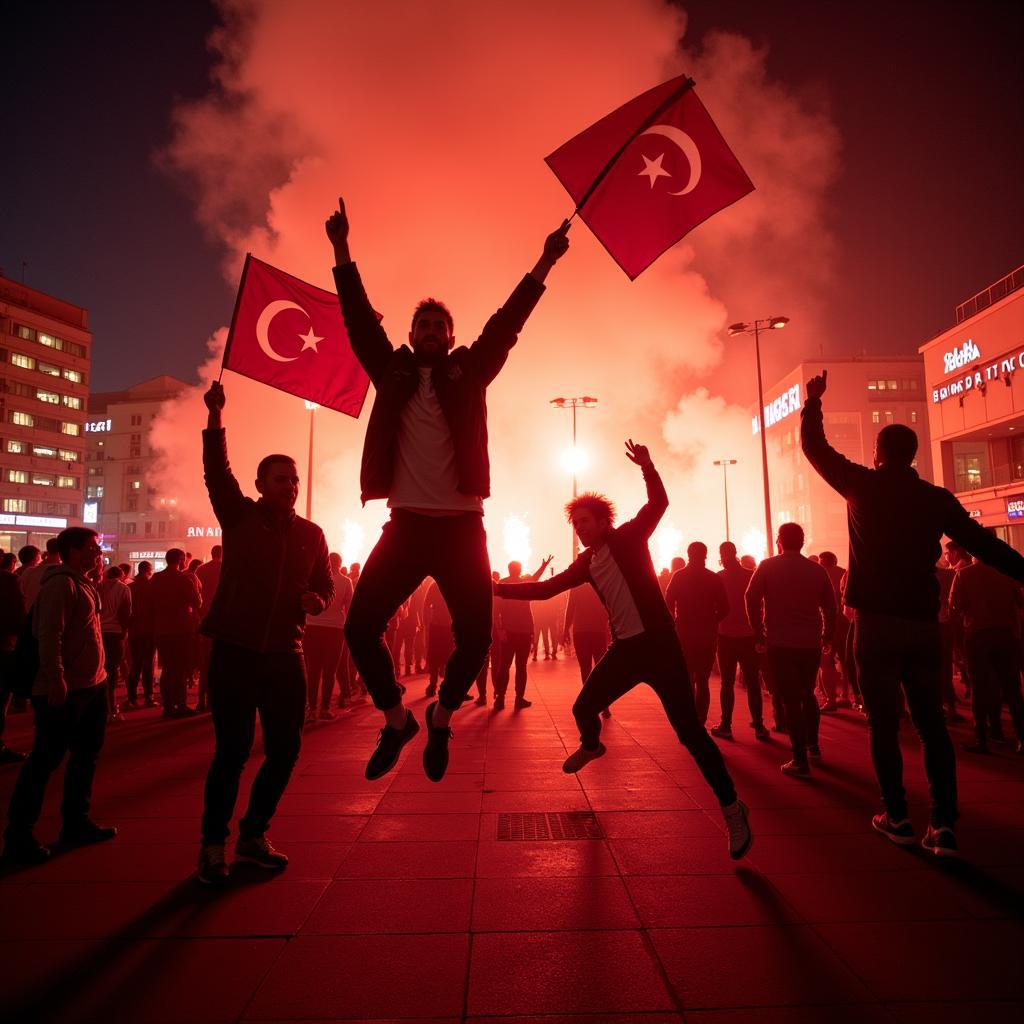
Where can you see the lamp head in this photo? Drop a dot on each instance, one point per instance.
(778, 322)
(735, 329)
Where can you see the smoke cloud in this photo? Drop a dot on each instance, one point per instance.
(432, 120)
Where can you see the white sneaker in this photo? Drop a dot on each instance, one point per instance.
(578, 758)
(738, 824)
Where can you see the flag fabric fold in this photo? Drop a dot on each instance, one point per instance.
(291, 335)
(663, 167)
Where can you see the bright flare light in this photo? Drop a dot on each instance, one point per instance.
(667, 541)
(575, 460)
(754, 543)
(517, 540)
(353, 542)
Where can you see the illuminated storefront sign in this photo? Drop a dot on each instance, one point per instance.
(50, 522)
(979, 378)
(203, 531)
(968, 352)
(136, 556)
(1015, 507)
(98, 427)
(785, 405)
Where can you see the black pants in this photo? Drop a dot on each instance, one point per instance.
(143, 650)
(451, 549)
(993, 661)
(514, 647)
(76, 728)
(175, 653)
(655, 659)
(891, 651)
(733, 651)
(242, 683)
(590, 647)
(795, 670)
(699, 652)
(322, 648)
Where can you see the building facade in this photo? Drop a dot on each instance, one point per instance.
(45, 352)
(975, 380)
(137, 524)
(864, 394)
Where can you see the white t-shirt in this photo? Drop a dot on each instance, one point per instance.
(425, 476)
(622, 609)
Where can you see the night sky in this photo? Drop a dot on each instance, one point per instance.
(927, 209)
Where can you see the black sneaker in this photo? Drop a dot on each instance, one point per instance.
(257, 850)
(941, 841)
(522, 702)
(85, 832)
(481, 701)
(435, 753)
(25, 850)
(899, 832)
(499, 703)
(389, 746)
(761, 732)
(723, 731)
(213, 868)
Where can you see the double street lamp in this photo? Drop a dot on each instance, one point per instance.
(755, 327)
(581, 402)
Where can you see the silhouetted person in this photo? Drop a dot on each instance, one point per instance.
(208, 575)
(256, 664)
(697, 601)
(737, 646)
(617, 563)
(515, 621)
(833, 683)
(426, 452)
(792, 610)
(12, 618)
(142, 636)
(896, 522)
(69, 700)
(31, 579)
(990, 604)
(322, 645)
(115, 617)
(177, 601)
(440, 642)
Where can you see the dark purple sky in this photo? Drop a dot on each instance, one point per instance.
(927, 210)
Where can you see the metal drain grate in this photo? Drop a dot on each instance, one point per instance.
(518, 828)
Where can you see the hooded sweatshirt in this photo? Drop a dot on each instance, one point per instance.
(66, 622)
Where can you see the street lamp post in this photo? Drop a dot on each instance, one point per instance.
(725, 464)
(755, 327)
(312, 407)
(585, 402)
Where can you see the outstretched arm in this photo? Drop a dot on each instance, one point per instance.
(835, 469)
(543, 565)
(973, 537)
(542, 590)
(225, 495)
(368, 339)
(657, 499)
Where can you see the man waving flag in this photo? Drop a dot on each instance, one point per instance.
(650, 172)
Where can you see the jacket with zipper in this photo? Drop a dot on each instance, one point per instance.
(66, 622)
(270, 561)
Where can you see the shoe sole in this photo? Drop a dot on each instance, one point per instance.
(898, 840)
(939, 851)
(398, 754)
(426, 751)
(576, 771)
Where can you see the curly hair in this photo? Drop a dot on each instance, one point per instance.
(597, 504)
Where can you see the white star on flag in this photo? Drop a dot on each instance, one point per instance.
(654, 170)
(310, 340)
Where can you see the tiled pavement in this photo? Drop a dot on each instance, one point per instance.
(401, 904)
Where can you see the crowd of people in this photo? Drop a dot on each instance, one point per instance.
(890, 635)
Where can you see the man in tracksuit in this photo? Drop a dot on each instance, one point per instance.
(617, 564)
(426, 452)
(276, 572)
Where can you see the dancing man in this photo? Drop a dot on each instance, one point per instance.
(617, 564)
(426, 452)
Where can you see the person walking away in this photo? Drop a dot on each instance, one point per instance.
(322, 646)
(115, 617)
(834, 686)
(142, 637)
(515, 622)
(176, 601)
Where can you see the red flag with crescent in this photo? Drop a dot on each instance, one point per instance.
(291, 335)
(649, 173)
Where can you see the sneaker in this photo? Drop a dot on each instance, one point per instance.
(8, 756)
(499, 703)
(798, 768)
(581, 757)
(814, 753)
(941, 841)
(25, 850)
(899, 832)
(389, 746)
(761, 732)
(213, 869)
(326, 715)
(85, 832)
(522, 702)
(481, 701)
(257, 850)
(738, 824)
(435, 753)
(723, 731)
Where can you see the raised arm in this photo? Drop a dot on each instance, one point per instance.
(226, 496)
(368, 339)
(501, 332)
(836, 470)
(543, 565)
(657, 499)
(973, 537)
(542, 590)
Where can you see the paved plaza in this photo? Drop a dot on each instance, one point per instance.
(407, 900)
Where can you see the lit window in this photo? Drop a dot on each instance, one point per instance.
(70, 402)
(67, 455)
(136, 485)
(25, 362)
(25, 332)
(99, 491)
(44, 451)
(74, 376)
(50, 341)
(873, 385)
(70, 428)
(22, 419)
(15, 505)
(913, 413)
(42, 479)
(876, 416)
(17, 476)
(16, 447)
(67, 481)
(48, 396)
(50, 369)
(888, 416)
(892, 385)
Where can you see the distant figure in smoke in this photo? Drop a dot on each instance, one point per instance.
(645, 648)
(517, 630)
(896, 523)
(426, 452)
(256, 661)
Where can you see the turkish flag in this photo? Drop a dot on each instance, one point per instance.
(660, 166)
(290, 335)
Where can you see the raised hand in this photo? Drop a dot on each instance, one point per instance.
(337, 224)
(214, 398)
(816, 385)
(557, 243)
(638, 453)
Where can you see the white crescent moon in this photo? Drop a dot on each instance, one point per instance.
(263, 327)
(689, 148)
